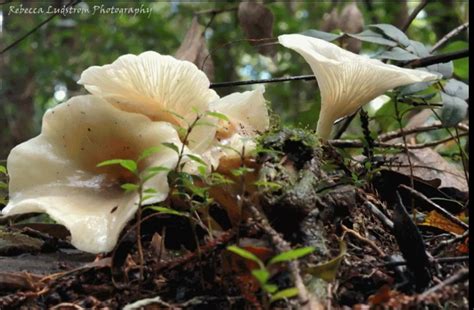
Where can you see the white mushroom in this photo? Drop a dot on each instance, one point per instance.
(347, 80)
(56, 172)
(160, 87)
(247, 116)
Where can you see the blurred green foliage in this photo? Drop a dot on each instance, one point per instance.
(42, 70)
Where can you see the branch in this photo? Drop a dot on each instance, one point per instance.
(431, 60)
(438, 208)
(460, 276)
(397, 133)
(357, 143)
(448, 36)
(17, 41)
(273, 80)
(413, 15)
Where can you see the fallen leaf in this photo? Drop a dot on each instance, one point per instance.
(429, 165)
(351, 21)
(194, 49)
(463, 248)
(328, 270)
(256, 22)
(435, 219)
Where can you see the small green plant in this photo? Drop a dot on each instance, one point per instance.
(262, 273)
(3, 185)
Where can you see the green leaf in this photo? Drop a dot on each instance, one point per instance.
(128, 164)
(328, 270)
(171, 146)
(196, 159)
(445, 68)
(327, 36)
(218, 115)
(204, 123)
(270, 288)
(3, 185)
(245, 254)
(149, 151)
(418, 49)
(414, 88)
(291, 255)
(175, 114)
(372, 37)
(129, 187)
(150, 191)
(286, 293)
(271, 185)
(3, 170)
(457, 88)
(397, 54)
(393, 33)
(166, 211)
(453, 111)
(241, 171)
(262, 275)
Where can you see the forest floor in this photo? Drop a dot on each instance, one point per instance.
(383, 237)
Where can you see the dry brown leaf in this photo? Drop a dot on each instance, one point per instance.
(434, 219)
(194, 49)
(429, 165)
(256, 22)
(351, 21)
(330, 21)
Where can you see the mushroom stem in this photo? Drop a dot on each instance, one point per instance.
(324, 126)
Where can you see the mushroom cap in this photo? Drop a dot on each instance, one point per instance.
(56, 172)
(158, 86)
(347, 80)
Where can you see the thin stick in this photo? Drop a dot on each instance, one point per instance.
(361, 238)
(356, 143)
(407, 131)
(431, 60)
(17, 41)
(263, 81)
(460, 276)
(438, 208)
(449, 35)
(413, 15)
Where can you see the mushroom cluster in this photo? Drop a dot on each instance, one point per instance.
(143, 101)
(138, 102)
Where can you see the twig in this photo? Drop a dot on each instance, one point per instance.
(17, 41)
(306, 300)
(379, 214)
(431, 60)
(439, 260)
(460, 276)
(438, 208)
(407, 131)
(263, 81)
(413, 15)
(444, 243)
(216, 11)
(449, 35)
(361, 238)
(344, 125)
(357, 144)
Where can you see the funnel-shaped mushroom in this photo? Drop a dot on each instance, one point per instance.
(56, 172)
(160, 87)
(347, 80)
